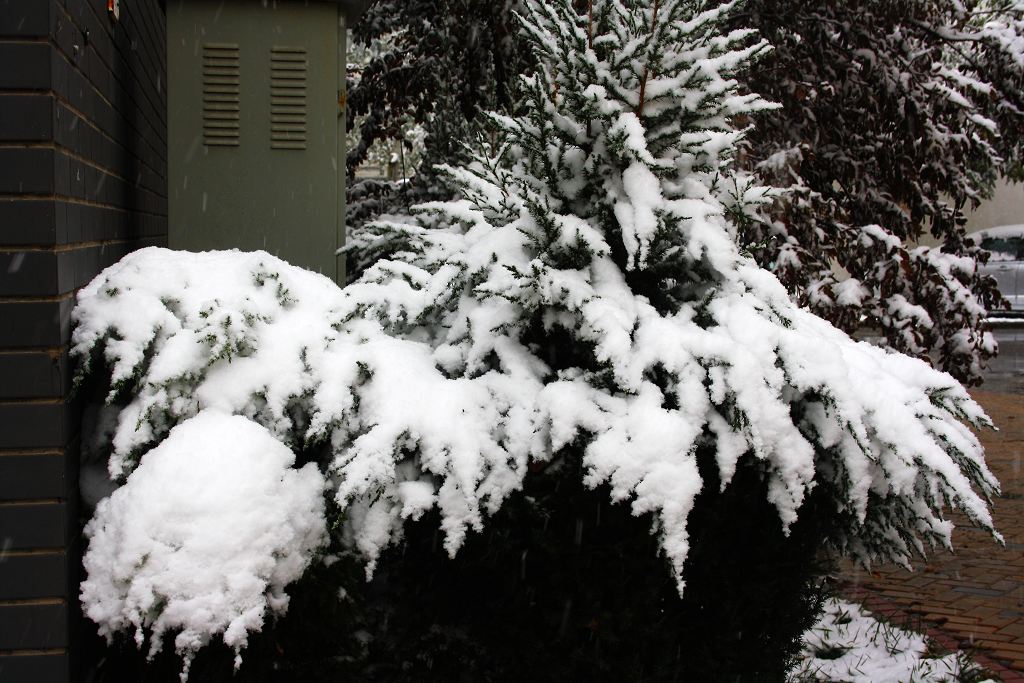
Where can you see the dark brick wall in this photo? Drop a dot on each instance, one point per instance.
(83, 148)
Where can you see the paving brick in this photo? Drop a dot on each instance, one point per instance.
(962, 619)
(1017, 645)
(995, 621)
(1015, 629)
(940, 610)
(975, 590)
(998, 638)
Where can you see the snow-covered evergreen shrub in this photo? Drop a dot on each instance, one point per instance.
(584, 311)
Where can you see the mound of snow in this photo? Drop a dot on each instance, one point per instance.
(849, 645)
(204, 536)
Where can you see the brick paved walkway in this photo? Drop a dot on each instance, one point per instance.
(973, 599)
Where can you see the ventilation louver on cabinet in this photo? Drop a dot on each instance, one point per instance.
(288, 66)
(220, 94)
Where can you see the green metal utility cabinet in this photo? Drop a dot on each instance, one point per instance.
(256, 127)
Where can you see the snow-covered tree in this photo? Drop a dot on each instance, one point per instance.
(583, 313)
(436, 63)
(896, 119)
(991, 50)
(431, 66)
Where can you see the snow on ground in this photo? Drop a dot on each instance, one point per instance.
(849, 645)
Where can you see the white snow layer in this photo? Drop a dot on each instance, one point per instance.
(848, 645)
(392, 413)
(203, 537)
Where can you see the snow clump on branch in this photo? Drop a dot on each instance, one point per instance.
(203, 537)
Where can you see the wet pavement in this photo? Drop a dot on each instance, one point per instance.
(972, 599)
(1005, 373)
